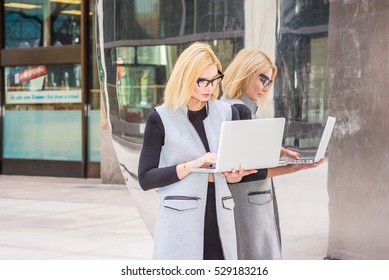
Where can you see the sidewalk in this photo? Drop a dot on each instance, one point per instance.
(81, 219)
(62, 218)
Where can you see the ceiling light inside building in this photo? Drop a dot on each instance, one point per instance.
(21, 5)
(72, 12)
(67, 1)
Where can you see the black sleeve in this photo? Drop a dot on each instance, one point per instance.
(260, 175)
(235, 114)
(149, 175)
(244, 111)
(245, 114)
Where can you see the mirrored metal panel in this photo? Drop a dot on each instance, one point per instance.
(138, 43)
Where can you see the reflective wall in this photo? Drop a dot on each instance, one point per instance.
(332, 58)
(139, 41)
(140, 53)
(138, 44)
(142, 45)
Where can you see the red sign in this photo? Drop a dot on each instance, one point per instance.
(32, 72)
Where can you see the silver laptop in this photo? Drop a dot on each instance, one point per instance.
(325, 139)
(254, 144)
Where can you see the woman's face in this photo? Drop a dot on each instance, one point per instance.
(204, 87)
(256, 89)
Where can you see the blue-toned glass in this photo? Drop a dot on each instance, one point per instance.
(42, 23)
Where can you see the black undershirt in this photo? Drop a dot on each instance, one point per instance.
(197, 118)
(150, 176)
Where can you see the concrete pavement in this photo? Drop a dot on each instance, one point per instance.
(44, 218)
(63, 218)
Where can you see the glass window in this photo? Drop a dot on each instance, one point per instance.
(94, 129)
(42, 134)
(42, 117)
(48, 86)
(94, 135)
(42, 23)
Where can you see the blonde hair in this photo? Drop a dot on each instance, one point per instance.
(242, 71)
(188, 68)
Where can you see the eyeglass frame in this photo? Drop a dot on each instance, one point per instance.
(266, 80)
(199, 80)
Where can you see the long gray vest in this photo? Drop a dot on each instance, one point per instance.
(256, 214)
(179, 229)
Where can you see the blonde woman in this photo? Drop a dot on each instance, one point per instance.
(247, 81)
(195, 219)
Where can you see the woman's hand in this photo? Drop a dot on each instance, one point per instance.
(289, 153)
(206, 160)
(303, 166)
(291, 168)
(235, 176)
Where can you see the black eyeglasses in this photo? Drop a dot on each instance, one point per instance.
(203, 83)
(266, 82)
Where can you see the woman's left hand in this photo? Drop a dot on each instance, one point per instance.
(289, 153)
(303, 166)
(235, 176)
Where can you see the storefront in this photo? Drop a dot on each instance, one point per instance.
(50, 99)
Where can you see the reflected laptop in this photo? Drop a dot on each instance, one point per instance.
(254, 144)
(325, 139)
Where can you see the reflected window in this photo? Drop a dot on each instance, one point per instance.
(42, 23)
(141, 75)
(160, 19)
(137, 82)
(301, 88)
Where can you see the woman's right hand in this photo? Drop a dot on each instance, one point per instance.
(206, 160)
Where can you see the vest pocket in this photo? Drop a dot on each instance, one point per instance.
(261, 197)
(180, 203)
(228, 202)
